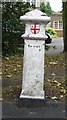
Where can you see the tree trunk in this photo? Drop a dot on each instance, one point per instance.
(65, 25)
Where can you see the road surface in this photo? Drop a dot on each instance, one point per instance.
(57, 46)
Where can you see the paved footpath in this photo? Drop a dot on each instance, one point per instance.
(23, 108)
(57, 46)
(29, 110)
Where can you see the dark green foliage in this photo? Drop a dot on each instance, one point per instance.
(65, 24)
(46, 8)
(42, 7)
(12, 29)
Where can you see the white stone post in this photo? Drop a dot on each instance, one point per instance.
(34, 49)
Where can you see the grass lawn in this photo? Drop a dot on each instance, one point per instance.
(54, 82)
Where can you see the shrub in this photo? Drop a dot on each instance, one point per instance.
(52, 32)
(12, 29)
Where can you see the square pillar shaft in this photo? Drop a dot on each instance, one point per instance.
(33, 70)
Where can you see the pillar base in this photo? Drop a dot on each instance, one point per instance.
(22, 95)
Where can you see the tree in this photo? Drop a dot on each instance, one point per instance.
(46, 8)
(42, 7)
(11, 27)
(65, 25)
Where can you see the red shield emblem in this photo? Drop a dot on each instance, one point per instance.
(35, 28)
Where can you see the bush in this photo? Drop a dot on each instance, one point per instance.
(52, 32)
(12, 29)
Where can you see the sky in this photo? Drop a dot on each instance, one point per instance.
(56, 5)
